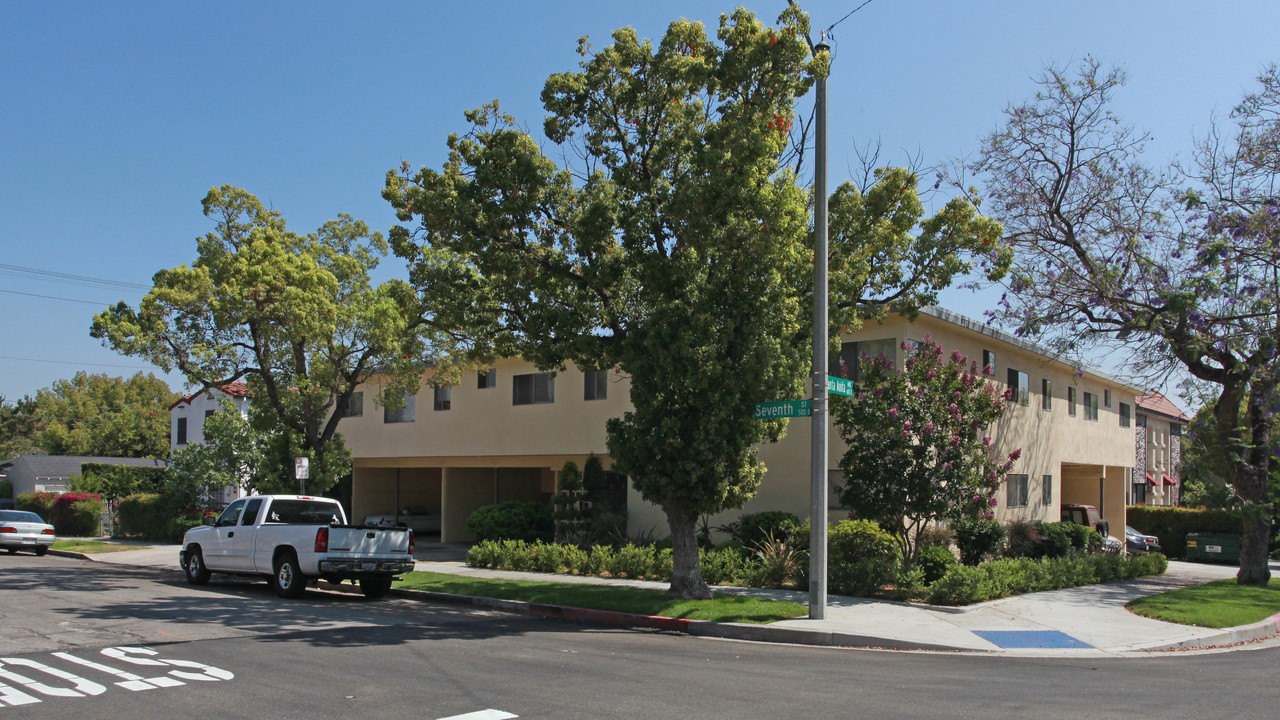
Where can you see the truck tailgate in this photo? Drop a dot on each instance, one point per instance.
(368, 542)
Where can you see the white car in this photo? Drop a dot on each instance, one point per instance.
(22, 530)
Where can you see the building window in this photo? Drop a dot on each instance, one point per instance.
(1090, 406)
(1016, 491)
(1106, 398)
(182, 431)
(355, 405)
(443, 397)
(533, 389)
(989, 362)
(1139, 494)
(208, 413)
(487, 378)
(1046, 394)
(596, 385)
(1071, 401)
(1020, 383)
(1046, 490)
(1125, 417)
(851, 353)
(402, 415)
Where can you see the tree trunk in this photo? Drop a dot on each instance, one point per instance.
(1251, 485)
(686, 574)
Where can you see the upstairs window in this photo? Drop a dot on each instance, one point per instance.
(989, 362)
(1071, 401)
(1090, 406)
(596, 385)
(850, 359)
(1125, 415)
(354, 406)
(1020, 383)
(1046, 394)
(402, 415)
(1016, 491)
(443, 398)
(1106, 398)
(533, 389)
(487, 378)
(1046, 490)
(182, 431)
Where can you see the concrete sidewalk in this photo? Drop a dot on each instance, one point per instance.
(1085, 621)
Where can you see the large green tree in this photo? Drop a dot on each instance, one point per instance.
(679, 251)
(17, 427)
(1180, 264)
(297, 316)
(100, 415)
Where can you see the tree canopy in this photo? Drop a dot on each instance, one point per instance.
(99, 415)
(1179, 264)
(297, 316)
(678, 252)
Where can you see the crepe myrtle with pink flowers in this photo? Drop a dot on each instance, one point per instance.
(919, 452)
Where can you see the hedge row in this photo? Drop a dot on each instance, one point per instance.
(1171, 524)
(153, 518)
(965, 585)
(719, 567)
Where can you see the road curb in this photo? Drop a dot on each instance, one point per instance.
(698, 628)
(1230, 636)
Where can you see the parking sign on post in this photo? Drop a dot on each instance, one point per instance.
(301, 470)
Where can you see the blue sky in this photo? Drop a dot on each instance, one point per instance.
(116, 118)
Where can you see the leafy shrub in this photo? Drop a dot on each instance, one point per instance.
(77, 515)
(861, 558)
(777, 563)
(152, 517)
(528, 521)
(38, 503)
(964, 585)
(978, 538)
(1022, 538)
(6, 489)
(728, 564)
(936, 535)
(934, 561)
(1171, 524)
(754, 528)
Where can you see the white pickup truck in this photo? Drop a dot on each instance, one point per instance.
(292, 540)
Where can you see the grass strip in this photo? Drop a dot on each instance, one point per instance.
(91, 546)
(642, 601)
(1219, 604)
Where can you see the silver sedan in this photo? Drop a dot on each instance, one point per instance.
(22, 530)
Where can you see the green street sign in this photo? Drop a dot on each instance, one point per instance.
(839, 386)
(784, 408)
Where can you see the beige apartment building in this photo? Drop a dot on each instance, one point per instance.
(1157, 472)
(504, 434)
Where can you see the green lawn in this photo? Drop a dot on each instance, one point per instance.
(723, 608)
(1219, 604)
(91, 546)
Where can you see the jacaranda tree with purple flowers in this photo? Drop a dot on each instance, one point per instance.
(919, 452)
(1180, 266)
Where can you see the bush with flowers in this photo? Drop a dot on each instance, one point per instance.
(917, 454)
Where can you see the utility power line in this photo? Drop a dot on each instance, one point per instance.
(69, 279)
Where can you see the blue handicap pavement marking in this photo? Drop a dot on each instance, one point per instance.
(1009, 639)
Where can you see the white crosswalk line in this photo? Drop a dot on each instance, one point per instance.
(483, 715)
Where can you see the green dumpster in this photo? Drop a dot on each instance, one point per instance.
(1214, 547)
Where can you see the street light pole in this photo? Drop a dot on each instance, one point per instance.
(818, 481)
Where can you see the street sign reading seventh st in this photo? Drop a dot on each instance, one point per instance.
(784, 408)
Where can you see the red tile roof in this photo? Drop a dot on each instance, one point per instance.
(1157, 403)
(234, 389)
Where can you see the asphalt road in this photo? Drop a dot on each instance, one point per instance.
(84, 640)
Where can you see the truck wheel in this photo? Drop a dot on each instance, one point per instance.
(375, 587)
(288, 581)
(195, 570)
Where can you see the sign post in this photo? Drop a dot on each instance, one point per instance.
(301, 471)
